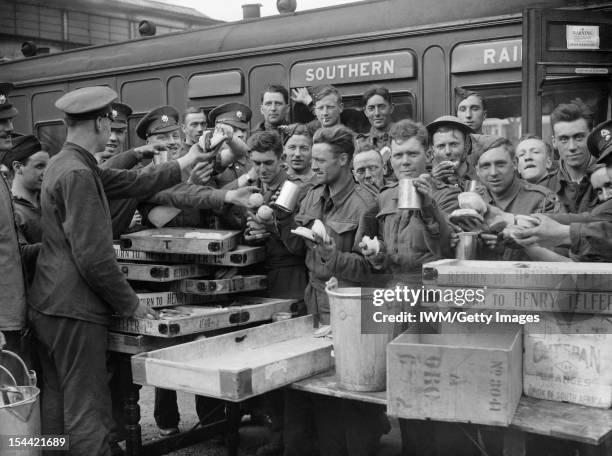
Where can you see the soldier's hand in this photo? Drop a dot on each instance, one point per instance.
(240, 196)
(425, 189)
(143, 311)
(548, 233)
(201, 173)
(490, 240)
(146, 151)
(101, 157)
(326, 249)
(301, 95)
(224, 129)
(443, 170)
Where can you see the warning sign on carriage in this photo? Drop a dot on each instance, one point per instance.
(582, 36)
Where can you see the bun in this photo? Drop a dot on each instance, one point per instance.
(471, 200)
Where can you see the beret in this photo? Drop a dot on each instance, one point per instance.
(23, 148)
(599, 142)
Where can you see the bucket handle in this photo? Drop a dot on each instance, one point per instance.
(331, 284)
(8, 372)
(30, 375)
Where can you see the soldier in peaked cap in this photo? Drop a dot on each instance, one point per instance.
(161, 126)
(120, 115)
(7, 112)
(233, 119)
(78, 285)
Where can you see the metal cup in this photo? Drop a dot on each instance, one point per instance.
(162, 156)
(408, 197)
(288, 196)
(467, 246)
(473, 186)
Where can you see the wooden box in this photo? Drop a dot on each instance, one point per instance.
(182, 320)
(236, 284)
(238, 365)
(243, 255)
(180, 240)
(533, 275)
(521, 286)
(569, 358)
(449, 377)
(163, 273)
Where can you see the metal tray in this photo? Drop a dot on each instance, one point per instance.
(174, 240)
(236, 284)
(163, 273)
(181, 320)
(239, 365)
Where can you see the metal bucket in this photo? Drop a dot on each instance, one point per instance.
(361, 359)
(19, 409)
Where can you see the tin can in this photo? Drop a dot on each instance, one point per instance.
(408, 197)
(474, 186)
(162, 156)
(288, 197)
(467, 246)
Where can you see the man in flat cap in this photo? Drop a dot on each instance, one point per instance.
(121, 113)
(588, 238)
(12, 284)
(28, 161)
(78, 284)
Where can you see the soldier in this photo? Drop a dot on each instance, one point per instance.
(298, 152)
(409, 238)
(571, 124)
(274, 108)
(470, 108)
(326, 110)
(116, 141)
(588, 240)
(348, 211)
(287, 276)
(535, 159)
(507, 192)
(234, 118)
(78, 284)
(369, 168)
(194, 124)
(29, 161)
(13, 296)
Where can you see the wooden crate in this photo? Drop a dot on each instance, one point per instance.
(163, 273)
(569, 358)
(532, 275)
(236, 284)
(449, 377)
(238, 365)
(243, 255)
(168, 298)
(174, 240)
(532, 300)
(182, 320)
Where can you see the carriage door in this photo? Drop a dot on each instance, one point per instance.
(567, 54)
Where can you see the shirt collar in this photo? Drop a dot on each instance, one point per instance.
(506, 199)
(564, 175)
(277, 181)
(342, 194)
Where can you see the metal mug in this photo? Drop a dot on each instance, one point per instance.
(288, 196)
(474, 186)
(408, 197)
(467, 246)
(162, 156)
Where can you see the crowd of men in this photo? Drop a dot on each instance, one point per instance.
(60, 215)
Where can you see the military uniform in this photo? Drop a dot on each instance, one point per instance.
(410, 238)
(349, 215)
(521, 198)
(78, 283)
(576, 197)
(381, 142)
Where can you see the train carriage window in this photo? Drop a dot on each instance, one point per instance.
(133, 139)
(53, 134)
(503, 105)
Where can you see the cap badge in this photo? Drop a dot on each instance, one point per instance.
(239, 114)
(2, 99)
(605, 134)
(164, 118)
(114, 114)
